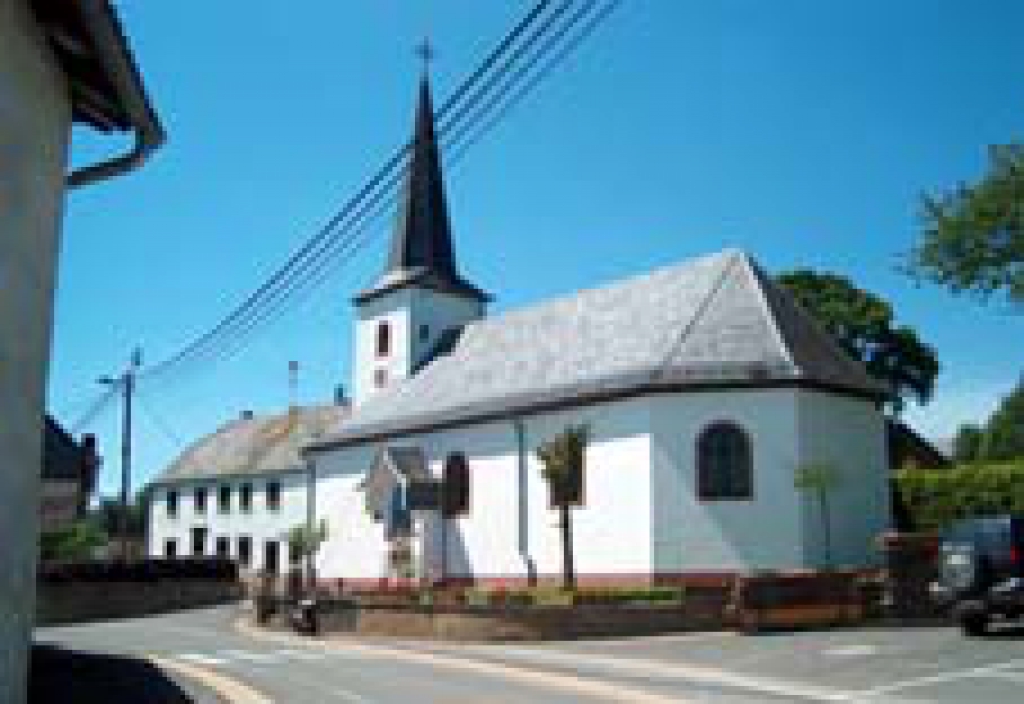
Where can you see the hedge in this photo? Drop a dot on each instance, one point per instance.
(936, 497)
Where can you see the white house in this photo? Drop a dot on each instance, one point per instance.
(704, 386)
(238, 492)
(60, 63)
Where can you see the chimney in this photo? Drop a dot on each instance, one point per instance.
(247, 415)
(340, 397)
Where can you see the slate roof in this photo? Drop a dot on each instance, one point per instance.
(716, 320)
(254, 446)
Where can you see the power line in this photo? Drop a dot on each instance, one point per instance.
(382, 174)
(98, 406)
(158, 422)
(371, 211)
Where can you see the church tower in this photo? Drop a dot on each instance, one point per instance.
(419, 303)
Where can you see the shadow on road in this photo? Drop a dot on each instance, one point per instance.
(72, 677)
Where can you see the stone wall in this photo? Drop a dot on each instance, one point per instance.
(75, 602)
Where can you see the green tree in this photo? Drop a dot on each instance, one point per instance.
(864, 326)
(967, 443)
(563, 458)
(304, 541)
(78, 541)
(1003, 438)
(819, 480)
(973, 234)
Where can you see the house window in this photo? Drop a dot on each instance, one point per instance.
(170, 548)
(245, 498)
(244, 550)
(198, 541)
(380, 378)
(724, 463)
(424, 333)
(274, 495)
(455, 486)
(224, 499)
(270, 556)
(172, 503)
(383, 340)
(199, 500)
(223, 547)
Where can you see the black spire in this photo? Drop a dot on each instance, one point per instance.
(421, 245)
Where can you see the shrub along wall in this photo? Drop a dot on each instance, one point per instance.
(934, 498)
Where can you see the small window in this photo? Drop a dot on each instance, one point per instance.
(170, 548)
(270, 564)
(198, 541)
(380, 378)
(172, 503)
(455, 484)
(245, 498)
(424, 333)
(274, 495)
(383, 340)
(199, 499)
(244, 550)
(724, 463)
(223, 547)
(224, 499)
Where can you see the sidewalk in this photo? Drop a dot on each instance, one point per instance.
(59, 676)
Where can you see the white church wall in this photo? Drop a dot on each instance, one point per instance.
(260, 523)
(694, 535)
(510, 522)
(847, 435)
(432, 314)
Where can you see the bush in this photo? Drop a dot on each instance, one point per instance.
(934, 498)
(553, 596)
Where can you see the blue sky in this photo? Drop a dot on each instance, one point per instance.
(801, 131)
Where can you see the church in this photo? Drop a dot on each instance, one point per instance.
(704, 388)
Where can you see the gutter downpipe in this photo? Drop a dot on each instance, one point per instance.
(149, 134)
(524, 506)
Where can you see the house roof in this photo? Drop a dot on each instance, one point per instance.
(908, 449)
(64, 459)
(254, 445)
(713, 321)
(421, 245)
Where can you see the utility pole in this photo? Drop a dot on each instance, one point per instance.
(126, 384)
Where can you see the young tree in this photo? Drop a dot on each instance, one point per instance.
(1003, 438)
(973, 239)
(563, 458)
(967, 443)
(864, 326)
(819, 479)
(304, 541)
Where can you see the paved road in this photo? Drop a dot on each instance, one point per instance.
(870, 665)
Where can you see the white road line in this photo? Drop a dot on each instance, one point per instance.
(1008, 675)
(940, 678)
(249, 656)
(228, 689)
(201, 659)
(851, 651)
(300, 654)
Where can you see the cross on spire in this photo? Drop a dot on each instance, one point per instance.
(425, 50)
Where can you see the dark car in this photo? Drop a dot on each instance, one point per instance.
(981, 571)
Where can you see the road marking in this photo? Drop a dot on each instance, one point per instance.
(544, 680)
(201, 659)
(941, 678)
(231, 690)
(851, 651)
(249, 656)
(300, 654)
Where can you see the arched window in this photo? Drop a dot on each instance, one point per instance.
(383, 339)
(455, 485)
(724, 463)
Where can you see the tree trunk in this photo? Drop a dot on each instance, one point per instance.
(568, 567)
(826, 524)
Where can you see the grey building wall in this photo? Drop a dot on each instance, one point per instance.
(34, 128)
